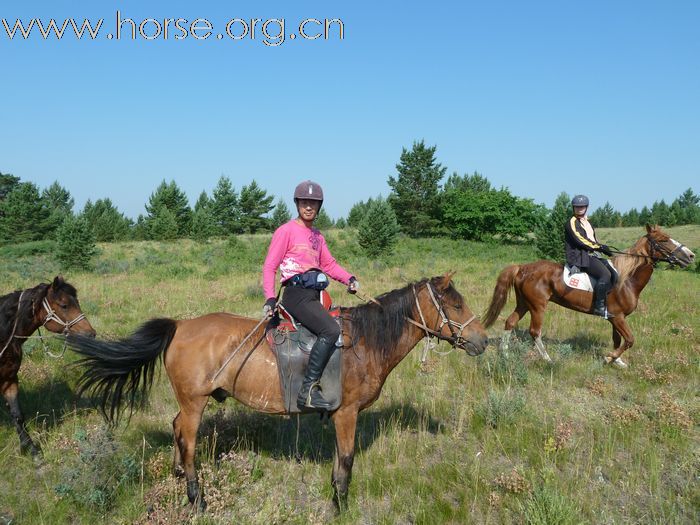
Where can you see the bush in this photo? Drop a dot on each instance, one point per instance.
(75, 243)
(378, 229)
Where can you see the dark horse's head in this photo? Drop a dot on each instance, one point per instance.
(60, 310)
(663, 248)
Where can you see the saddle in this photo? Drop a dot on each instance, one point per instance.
(580, 280)
(291, 342)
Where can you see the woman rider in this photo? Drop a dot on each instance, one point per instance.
(581, 248)
(300, 252)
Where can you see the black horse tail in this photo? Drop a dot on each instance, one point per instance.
(500, 294)
(117, 369)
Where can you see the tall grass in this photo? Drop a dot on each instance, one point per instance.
(494, 439)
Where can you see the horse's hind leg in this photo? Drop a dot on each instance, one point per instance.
(345, 421)
(178, 470)
(10, 391)
(185, 427)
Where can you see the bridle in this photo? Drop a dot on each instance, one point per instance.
(667, 256)
(455, 339)
(50, 316)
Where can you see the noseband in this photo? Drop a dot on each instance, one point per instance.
(456, 338)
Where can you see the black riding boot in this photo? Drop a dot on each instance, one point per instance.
(600, 294)
(310, 393)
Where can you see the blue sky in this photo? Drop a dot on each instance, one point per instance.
(592, 97)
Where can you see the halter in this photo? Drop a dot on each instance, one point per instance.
(456, 338)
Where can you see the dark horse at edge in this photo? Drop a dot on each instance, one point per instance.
(376, 338)
(54, 306)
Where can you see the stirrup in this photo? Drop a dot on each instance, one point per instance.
(305, 402)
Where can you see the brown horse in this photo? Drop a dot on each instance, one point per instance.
(54, 306)
(377, 336)
(537, 283)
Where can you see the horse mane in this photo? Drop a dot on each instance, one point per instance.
(30, 301)
(382, 327)
(626, 265)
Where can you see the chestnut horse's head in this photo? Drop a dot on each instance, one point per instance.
(445, 312)
(60, 311)
(663, 248)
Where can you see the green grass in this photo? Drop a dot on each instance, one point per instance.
(494, 439)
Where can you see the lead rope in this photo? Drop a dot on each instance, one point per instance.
(428, 344)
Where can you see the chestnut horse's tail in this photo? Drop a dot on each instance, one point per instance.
(500, 294)
(114, 370)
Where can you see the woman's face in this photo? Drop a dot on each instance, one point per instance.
(580, 211)
(308, 209)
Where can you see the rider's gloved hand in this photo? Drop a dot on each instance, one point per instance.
(269, 307)
(353, 285)
(606, 250)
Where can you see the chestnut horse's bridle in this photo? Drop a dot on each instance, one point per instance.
(666, 255)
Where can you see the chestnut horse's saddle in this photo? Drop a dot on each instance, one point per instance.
(576, 278)
(291, 342)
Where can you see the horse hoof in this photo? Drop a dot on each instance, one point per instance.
(607, 359)
(619, 363)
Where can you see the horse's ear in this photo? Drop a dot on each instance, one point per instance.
(446, 279)
(649, 228)
(57, 282)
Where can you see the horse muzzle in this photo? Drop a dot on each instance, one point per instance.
(474, 345)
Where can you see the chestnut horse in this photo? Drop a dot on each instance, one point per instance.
(54, 306)
(376, 338)
(537, 283)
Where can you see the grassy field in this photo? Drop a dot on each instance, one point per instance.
(493, 439)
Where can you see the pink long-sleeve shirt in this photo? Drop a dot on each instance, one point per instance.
(295, 249)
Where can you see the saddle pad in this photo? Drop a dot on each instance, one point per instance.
(581, 280)
(292, 350)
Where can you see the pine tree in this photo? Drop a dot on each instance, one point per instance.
(358, 211)
(378, 230)
(549, 235)
(24, 215)
(59, 202)
(203, 225)
(253, 203)
(323, 220)
(225, 207)
(280, 215)
(75, 243)
(414, 195)
(7, 184)
(174, 199)
(107, 222)
(163, 226)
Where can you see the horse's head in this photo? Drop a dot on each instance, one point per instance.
(442, 309)
(663, 248)
(61, 311)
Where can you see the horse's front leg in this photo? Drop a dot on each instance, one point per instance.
(620, 331)
(10, 391)
(345, 421)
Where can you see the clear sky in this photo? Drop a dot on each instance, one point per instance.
(598, 97)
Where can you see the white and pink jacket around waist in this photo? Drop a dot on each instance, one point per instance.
(295, 249)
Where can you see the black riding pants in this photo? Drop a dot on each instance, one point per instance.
(305, 306)
(598, 269)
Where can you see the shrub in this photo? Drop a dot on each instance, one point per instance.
(549, 234)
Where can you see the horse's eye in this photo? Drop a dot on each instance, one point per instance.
(64, 306)
(457, 307)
